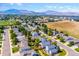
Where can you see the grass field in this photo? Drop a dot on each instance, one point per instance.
(7, 22)
(71, 28)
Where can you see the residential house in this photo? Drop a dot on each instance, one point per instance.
(34, 35)
(34, 53)
(49, 48)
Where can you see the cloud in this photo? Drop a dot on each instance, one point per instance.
(19, 4)
(50, 6)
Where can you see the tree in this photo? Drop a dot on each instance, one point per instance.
(18, 23)
(71, 43)
(37, 41)
(2, 27)
(37, 29)
(54, 43)
(45, 28)
(58, 36)
(15, 41)
(50, 32)
(13, 35)
(1, 31)
(11, 31)
(62, 39)
(59, 50)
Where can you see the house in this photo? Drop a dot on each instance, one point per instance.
(34, 53)
(16, 30)
(20, 38)
(35, 34)
(55, 33)
(49, 48)
(44, 42)
(52, 49)
(69, 39)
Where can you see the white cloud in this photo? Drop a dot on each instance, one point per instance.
(50, 6)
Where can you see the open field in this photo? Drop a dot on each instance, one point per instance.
(70, 27)
(7, 22)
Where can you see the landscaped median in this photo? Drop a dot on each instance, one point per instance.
(62, 53)
(0, 42)
(1, 37)
(14, 41)
(15, 49)
(77, 49)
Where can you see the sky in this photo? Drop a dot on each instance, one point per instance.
(41, 7)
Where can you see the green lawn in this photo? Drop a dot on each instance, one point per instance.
(42, 53)
(7, 22)
(62, 53)
(15, 49)
(77, 49)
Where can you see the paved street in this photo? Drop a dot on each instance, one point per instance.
(6, 44)
(69, 50)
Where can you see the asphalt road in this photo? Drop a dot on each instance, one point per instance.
(6, 44)
(69, 50)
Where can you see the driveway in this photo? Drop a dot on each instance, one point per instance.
(6, 44)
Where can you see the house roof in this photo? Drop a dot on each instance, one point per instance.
(53, 48)
(69, 38)
(45, 42)
(34, 54)
(35, 34)
(15, 30)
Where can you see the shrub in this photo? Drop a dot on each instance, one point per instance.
(77, 49)
(15, 49)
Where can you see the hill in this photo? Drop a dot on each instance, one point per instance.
(48, 12)
(71, 28)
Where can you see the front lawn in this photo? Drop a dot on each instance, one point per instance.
(62, 53)
(15, 49)
(42, 53)
(77, 49)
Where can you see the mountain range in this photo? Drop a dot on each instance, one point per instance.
(26, 12)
